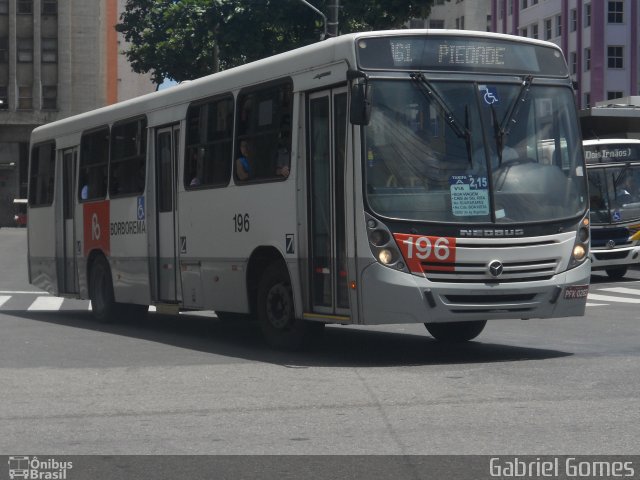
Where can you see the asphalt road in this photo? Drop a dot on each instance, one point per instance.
(190, 384)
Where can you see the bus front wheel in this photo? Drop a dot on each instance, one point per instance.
(456, 331)
(616, 273)
(103, 302)
(276, 312)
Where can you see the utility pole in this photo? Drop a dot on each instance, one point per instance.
(333, 7)
(324, 17)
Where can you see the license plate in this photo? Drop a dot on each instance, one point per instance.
(576, 292)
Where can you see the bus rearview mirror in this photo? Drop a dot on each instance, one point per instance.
(360, 103)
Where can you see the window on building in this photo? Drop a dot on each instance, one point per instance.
(534, 2)
(209, 146)
(534, 30)
(4, 7)
(94, 161)
(4, 50)
(574, 19)
(49, 97)
(49, 7)
(523, 4)
(128, 157)
(587, 59)
(49, 50)
(573, 60)
(615, 12)
(558, 25)
(523, 32)
(587, 100)
(613, 95)
(587, 15)
(25, 50)
(24, 6)
(42, 175)
(510, 7)
(25, 97)
(4, 98)
(263, 142)
(460, 23)
(436, 24)
(548, 29)
(615, 57)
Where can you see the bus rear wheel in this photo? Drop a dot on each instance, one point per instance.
(101, 294)
(456, 331)
(276, 312)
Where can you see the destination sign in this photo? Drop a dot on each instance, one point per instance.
(459, 53)
(611, 153)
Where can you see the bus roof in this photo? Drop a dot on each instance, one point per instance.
(302, 59)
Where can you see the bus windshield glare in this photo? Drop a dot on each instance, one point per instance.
(469, 152)
(614, 182)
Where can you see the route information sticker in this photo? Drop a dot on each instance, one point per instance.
(469, 195)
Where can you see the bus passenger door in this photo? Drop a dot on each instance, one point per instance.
(70, 251)
(167, 143)
(326, 133)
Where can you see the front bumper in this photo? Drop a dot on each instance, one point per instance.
(390, 296)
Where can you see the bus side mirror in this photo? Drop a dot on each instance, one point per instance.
(360, 103)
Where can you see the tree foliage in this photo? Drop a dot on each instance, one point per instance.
(187, 39)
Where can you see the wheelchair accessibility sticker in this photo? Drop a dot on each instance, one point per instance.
(489, 94)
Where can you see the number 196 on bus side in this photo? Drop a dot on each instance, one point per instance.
(438, 252)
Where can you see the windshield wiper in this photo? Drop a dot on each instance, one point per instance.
(503, 129)
(426, 88)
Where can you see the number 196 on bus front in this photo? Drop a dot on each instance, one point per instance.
(417, 249)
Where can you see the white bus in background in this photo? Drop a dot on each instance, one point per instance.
(613, 168)
(375, 178)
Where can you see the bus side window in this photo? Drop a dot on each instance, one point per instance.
(209, 143)
(42, 175)
(128, 157)
(94, 157)
(263, 144)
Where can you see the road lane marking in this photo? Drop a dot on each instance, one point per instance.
(609, 298)
(3, 299)
(628, 291)
(46, 303)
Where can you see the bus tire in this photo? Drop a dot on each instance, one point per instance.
(101, 294)
(616, 273)
(276, 312)
(456, 331)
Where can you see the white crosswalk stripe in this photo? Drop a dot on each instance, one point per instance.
(46, 303)
(3, 299)
(624, 290)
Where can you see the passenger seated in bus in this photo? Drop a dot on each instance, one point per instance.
(244, 163)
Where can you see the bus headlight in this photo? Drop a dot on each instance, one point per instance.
(385, 256)
(581, 246)
(579, 252)
(383, 247)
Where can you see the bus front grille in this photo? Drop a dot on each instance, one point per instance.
(478, 272)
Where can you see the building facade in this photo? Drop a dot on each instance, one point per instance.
(598, 37)
(457, 14)
(57, 58)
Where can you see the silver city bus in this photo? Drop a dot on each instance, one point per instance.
(382, 177)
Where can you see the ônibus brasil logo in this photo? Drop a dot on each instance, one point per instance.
(36, 469)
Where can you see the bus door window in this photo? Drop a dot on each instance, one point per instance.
(94, 159)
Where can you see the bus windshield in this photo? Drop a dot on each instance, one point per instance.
(615, 193)
(470, 152)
